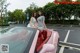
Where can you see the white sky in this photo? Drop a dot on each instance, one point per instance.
(23, 4)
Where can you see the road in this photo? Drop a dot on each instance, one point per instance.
(69, 35)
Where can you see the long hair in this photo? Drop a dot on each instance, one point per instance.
(35, 15)
(42, 14)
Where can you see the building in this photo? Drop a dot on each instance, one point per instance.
(67, 1)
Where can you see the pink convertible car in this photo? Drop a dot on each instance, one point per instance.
(29, 40)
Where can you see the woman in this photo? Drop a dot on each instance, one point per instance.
(33, 22)
(42, 25)
(42, 29)
(41, 21)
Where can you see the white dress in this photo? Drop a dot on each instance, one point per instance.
(32, 22)
(40, 20)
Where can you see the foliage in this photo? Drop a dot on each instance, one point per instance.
(17, 15)
(32, 8)
(51, 11)
(60, 12)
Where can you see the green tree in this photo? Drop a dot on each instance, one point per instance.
(49, 10)
(2, 2)
(17, 15)
(32, 8)
(11, 16)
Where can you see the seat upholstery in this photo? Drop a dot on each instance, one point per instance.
(41, 41)
(47, 48)
(51, 45)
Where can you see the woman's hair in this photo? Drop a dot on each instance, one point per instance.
(41, 13)
(35, 15)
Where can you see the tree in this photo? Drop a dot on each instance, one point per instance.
(2, 2)
(11, 16)
(17, 15)
(49, 10)
(32, 8)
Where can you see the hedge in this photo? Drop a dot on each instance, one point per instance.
(66, 22)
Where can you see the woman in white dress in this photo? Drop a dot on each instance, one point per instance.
(43, 34)
(42, 28)
(41, 21)
(33, 22)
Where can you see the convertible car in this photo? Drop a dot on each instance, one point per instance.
(28, 40)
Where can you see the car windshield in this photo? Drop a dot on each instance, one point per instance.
(20, 41)
(17, 29)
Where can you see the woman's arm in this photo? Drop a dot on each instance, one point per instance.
(36, 25)
(31, 20)
(44, 22)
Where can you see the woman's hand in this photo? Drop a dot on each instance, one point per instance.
(35, 25)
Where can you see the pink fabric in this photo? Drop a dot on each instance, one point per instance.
(53, 41)
(48, 48)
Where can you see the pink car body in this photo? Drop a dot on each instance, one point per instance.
(45, 46)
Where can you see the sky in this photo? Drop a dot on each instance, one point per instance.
(23, 4)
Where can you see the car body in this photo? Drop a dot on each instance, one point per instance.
(24, 40)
